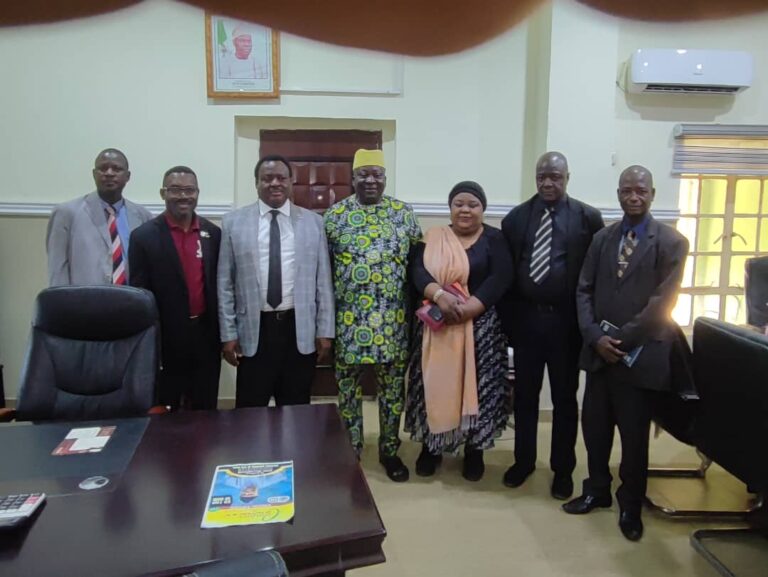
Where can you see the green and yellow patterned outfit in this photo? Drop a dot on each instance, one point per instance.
(370, 246)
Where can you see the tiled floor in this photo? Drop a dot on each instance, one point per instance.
(447, 527)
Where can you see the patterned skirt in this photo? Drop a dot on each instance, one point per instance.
(492, 390)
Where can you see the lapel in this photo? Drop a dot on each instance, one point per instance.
(135, 215)
(521, 226)
(299, 239)
(205, 247)
(572, 235)
(249, 234)
(168, 248)
(96, 211)
(642, 249)
(612, 248)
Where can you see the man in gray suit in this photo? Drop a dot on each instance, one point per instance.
(276, 309)
(627, 289)
(88, 237)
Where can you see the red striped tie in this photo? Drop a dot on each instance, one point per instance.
(118, 266)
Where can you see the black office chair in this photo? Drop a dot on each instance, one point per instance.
(715, 497)
(756, 291)
(93, 354)
(731, 364)
(258, 564)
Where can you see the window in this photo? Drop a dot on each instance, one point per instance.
(725, 219)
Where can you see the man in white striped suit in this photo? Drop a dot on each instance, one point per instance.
(276, 309)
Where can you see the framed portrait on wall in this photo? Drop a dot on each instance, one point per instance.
(242, 59)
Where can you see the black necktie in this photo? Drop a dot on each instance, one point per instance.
(275, 283)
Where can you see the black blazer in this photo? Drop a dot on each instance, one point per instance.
(639, 303)
(583, 222)
(155, 266)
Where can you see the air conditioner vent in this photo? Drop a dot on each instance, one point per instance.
(691, 88)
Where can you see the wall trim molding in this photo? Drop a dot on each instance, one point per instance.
(42, 209)
(501, 210)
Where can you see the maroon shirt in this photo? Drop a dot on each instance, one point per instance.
(191, 256)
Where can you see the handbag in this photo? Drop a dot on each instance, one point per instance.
(431, 315)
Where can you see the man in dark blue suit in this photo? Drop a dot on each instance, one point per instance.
(548, 237)
(630, 279)
(175, 256)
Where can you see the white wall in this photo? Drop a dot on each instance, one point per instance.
(136, 80)
(581, 102)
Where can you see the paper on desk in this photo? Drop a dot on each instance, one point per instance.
(89, 444)
(84, 440)
(250, 494)
(83, 432)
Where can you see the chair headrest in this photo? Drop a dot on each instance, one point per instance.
(758, 263)
(94, 313)
(704, 326)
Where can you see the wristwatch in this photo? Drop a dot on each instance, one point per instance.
(438, 293)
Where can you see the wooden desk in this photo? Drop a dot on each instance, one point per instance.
(150, 523)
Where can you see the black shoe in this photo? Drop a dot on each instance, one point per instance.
(396, 469)
(562, 487)
(474, 467)
(516, 475)
(427, 463)
(631, 525)
(585, 504)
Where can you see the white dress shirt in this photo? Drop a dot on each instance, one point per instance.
(287, 254)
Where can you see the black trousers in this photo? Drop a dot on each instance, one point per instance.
(549, 340)
(278, 368)
(190, 375)
(609, 402)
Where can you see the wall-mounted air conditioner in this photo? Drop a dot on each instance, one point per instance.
(662, 70)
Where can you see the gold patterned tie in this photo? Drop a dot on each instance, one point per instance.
(627, 248)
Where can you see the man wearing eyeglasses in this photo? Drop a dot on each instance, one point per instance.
(88, 238)
(175, 256)
(275, 292)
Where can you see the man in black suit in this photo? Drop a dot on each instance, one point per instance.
(630, 279)
(175, 256)
(548, 237)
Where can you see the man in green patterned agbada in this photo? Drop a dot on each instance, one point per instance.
(370, 236)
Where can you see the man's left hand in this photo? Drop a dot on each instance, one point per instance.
(323, 347)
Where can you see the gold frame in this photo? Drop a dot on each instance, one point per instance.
(274, 92)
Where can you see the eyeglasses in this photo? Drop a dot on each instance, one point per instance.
(181, 190)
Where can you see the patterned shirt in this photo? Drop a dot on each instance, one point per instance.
(370, 246)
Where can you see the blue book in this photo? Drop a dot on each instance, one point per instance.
(613, 331)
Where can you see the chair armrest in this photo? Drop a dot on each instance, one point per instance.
(7, 415)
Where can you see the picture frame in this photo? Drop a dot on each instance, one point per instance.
(242, 59)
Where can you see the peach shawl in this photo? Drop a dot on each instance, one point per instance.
(448, 355)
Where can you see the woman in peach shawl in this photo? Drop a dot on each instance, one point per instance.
(457, 386)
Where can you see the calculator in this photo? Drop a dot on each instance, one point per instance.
(16, 510)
